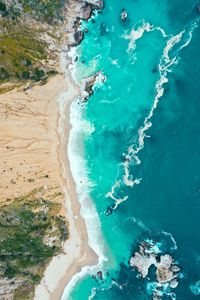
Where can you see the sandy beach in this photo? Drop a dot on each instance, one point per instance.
(76, 252)
(34, 133)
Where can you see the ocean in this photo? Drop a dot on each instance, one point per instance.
(135, 146)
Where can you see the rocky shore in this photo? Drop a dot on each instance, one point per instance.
(166, 269)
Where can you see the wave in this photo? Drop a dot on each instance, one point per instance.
(158, 290)
(195, 288)
(93, 294)
(174, 247)
(88, 211)
(138, 31)
(112, 196)
(165, 66)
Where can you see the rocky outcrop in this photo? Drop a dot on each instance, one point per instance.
(124, 15)
(89, 83)
(84, 11)
(149, 255)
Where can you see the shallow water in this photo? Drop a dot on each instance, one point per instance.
(141, 143)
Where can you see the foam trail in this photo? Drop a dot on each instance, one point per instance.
(82, 127)
(172, 239)
(164, 67)
(139, 32)
(195, 288)
(138, 222)
(93, 294)
(111, 195)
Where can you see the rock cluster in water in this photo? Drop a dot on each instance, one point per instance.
(149, 255)
(88, 84)
(124, 15)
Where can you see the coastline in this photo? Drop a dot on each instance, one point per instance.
(34, 146)
(76, 251)
(79, 252)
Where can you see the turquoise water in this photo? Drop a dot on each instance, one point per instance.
(142, 148)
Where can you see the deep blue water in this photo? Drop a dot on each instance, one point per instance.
(161, 190)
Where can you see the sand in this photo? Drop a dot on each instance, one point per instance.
(34, 131)
(77, 253)
(29, 141)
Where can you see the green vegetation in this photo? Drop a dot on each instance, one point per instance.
(31, 233)
(23, 54)
(3, 9)
(20, 56)
(49, 11)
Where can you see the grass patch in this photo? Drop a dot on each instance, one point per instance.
(20, 56)
(49, 11)
(24, 226)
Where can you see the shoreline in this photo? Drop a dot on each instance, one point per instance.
(39, 157)
(76, 251)
(77, 254)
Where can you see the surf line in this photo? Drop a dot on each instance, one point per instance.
(165, 66)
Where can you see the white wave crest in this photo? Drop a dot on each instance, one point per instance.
(172, 239)
(83, 187)
(138, 31)
(195, 288)
(111, 195)
(93, 294)
(165, 66)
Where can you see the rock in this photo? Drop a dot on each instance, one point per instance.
(109, 210)
(142, 263)
(175, 269)
(148, 255)
(174, 283)
(87, 10)
(100, 275)
(89, 6)
(124, 15)
(88, 84)
(78, 37)
(163, 274)
(154, 70)
(165, 261)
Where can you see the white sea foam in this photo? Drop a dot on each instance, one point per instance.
(111, 195)
(72, 54)
(138, 222)
(165, 66)
(138, 31)
(82, 127)
(78, 169)
(195, 288)
(114, 62)
(99, 81)
(93, 294)
(172, 239)
(159, 290)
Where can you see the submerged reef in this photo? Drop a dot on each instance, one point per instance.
(31, 233)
